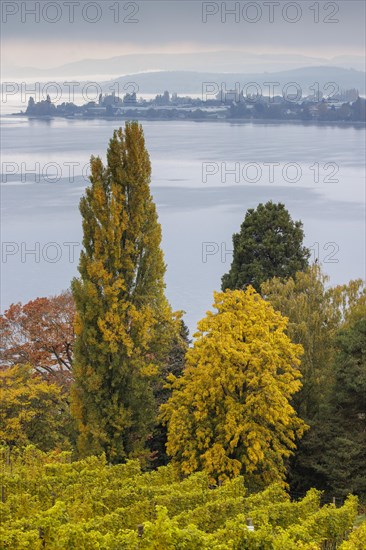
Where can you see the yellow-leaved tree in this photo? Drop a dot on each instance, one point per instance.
(231, 412)
(33, 411)
(124, 323)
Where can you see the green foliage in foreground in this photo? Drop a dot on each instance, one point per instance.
(357, 540)
(50, 502)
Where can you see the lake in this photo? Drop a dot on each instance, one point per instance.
(205, 175)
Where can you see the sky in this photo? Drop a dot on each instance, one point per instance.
(51, 33)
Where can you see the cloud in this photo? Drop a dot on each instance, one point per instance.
(50, 33)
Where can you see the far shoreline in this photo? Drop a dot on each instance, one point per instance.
(342, 123)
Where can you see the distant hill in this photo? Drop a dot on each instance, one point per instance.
(190, 82)
(219, 61)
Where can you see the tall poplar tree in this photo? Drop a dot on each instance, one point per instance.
(123, 320)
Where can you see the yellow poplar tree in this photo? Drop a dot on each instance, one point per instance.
(230, 412)
(123, 320)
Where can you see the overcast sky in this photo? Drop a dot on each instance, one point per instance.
(176, 26)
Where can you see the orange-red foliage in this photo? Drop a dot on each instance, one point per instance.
(40, 333)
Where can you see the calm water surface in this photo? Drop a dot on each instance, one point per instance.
(205, 176)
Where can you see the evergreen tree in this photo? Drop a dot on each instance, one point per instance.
(123, 320)
(230, 411)
(333, 452)
(346, 457)
(174, 365)
(269, 245)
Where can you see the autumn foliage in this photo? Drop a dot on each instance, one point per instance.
(40, 333)
(33, 411)
(116, 434)
(123, 323)
(50, 502)
(231, 411)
